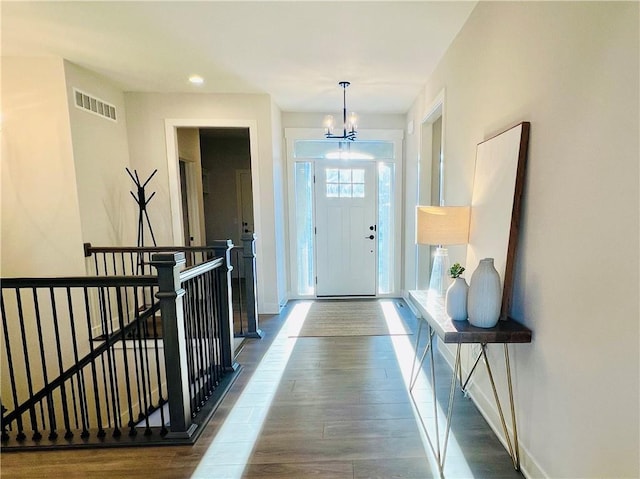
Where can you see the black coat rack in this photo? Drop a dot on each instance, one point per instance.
(142, 201)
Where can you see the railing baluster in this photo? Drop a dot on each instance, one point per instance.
(212, 316)
(206, 332)
(54, 314)
(217, 324)
(137, 361)
(141, 338)
(188, 331)
(125, 357)
(79, 377)
(63, 389)
(12, 377)
(27, 364)
(161, 399)
(113, 382)
(36, 310)
(96, 390)
(201, 319)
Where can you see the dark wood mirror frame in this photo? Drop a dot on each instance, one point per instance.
(496, 204)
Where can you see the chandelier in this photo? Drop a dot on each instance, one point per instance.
(349, 124)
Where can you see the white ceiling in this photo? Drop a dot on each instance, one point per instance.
(296, 51)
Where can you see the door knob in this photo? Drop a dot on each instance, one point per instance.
(370, 237)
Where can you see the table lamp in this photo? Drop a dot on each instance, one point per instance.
(441, 226)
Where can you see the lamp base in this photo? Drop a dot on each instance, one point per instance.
(439, 280)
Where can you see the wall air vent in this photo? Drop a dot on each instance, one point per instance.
(91, 104)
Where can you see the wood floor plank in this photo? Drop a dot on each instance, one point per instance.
(324, 470)
(371, 428)
(393, 468)
(336, 449)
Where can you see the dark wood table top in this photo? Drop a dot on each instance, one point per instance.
(431, 308)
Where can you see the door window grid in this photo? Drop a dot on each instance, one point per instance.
(345, 183)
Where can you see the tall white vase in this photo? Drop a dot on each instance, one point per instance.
(485, 295)
(456, 300)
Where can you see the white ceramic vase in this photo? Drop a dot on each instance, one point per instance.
(456, 300)
(485, 295)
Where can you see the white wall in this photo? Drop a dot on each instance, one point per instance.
(571, 69)
(146, 115)
(41, 229)
(108, 213)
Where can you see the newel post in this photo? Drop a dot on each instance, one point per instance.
(222, 249)
(175, 345)
(251, 278)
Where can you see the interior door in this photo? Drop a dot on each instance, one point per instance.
(346, 230)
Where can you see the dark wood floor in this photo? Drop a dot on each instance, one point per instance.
(322, 407)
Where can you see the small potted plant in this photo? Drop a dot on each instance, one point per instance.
(456, 298)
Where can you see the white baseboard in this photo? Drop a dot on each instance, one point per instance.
(268, 308)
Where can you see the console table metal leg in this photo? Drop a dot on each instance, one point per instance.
(452, 393)
(514, 456)
(463, 386)
(516, 446)
(428, 347)
(435, 403)
(439, 449)
(415, 356)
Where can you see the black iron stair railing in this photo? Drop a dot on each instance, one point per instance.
(80, 366)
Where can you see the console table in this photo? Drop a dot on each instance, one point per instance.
(431, 309)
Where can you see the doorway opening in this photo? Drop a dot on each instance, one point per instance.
(200, 183)
(344, 214)
(227, 184)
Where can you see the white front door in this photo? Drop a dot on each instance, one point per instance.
(346, 230)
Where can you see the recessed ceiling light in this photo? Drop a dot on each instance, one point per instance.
(196, 79)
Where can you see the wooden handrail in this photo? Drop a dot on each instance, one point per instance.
(89, 250)
(80, 281)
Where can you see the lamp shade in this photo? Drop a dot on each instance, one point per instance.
(442, 225)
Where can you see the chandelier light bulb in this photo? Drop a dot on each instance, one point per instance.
(352, 121)
(329, 123)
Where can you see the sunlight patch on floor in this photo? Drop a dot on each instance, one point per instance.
(422, 393)
(228, 454)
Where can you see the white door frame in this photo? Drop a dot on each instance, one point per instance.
(436, 110)
(171, 126)
(396, 136)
